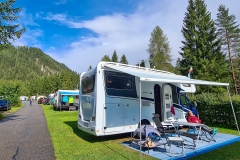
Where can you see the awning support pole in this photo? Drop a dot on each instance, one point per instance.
(233, 110)
(140, 116)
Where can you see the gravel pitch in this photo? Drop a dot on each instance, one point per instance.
(24, 135)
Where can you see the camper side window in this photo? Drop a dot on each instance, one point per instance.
(88, 85)
(117, 82)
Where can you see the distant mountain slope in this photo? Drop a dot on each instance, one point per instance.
(24, 64)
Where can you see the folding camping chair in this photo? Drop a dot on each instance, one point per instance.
(209, 136)
(166, 130)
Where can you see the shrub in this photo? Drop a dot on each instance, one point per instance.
(216, 110)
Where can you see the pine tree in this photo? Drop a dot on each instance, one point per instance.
(236, 64)
(124, 59)
(159, 50)
(90, 67)
(106, 58)
(229, 34)
(114, 57)
(201, 47)
(8, 14)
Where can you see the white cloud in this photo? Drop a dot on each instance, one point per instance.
(30, 38)
(128, 34)
(61, 2)
(26, 19)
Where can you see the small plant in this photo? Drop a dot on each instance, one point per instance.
(1, 116)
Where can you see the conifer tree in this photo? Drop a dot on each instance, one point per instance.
(90, 67)
(229, 34)
(201, 48)
(9, 30)
(159, 50)
(124, 59)
(114, 57)
(106, 58)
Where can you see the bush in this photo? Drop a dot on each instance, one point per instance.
(216, 110)
(1, 116)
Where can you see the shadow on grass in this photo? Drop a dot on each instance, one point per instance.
(92, 138)
(103, 139)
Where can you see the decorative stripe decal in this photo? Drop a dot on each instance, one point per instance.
(149, 99)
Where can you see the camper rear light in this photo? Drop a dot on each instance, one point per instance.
(93, 118)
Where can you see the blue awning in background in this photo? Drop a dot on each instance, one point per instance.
(69, 92)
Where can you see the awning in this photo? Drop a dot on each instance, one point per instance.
(152, 75)
(63, 92)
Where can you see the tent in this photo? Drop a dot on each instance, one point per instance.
(152, 75)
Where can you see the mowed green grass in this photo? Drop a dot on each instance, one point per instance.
(229, 152)
(70, 143)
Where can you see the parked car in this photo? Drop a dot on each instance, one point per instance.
(40, 100)
(46, 101)
(51, 101)
(4, 105)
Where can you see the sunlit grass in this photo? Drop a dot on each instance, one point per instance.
(229, 152)
(71, 143)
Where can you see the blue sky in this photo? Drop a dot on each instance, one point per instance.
(79, 33)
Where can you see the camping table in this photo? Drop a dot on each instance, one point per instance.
(193, 125)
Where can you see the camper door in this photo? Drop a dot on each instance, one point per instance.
(167, 103)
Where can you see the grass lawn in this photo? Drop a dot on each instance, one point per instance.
(71, 143)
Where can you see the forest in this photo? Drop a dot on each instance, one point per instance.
(210, 51)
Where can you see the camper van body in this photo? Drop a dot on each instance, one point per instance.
(58, 105)
(109, 100)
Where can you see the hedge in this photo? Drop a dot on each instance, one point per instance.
(216, 110)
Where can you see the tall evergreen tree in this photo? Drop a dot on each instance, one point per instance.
(201, 47)
(229, 34)
(124, 59)
(90, 67)
(236, 64)
(106, 58)
(114, 57)
(177, 67)
(8, 30)
(159, 50)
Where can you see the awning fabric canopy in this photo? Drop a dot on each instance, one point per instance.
(152, 75)
(147, 74)
(63, 92)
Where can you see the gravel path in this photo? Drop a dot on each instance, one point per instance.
(24, 135)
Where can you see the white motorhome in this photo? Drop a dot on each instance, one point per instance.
(60, 94)
(114, 97)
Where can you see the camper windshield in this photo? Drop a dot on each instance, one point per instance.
(184, 99)
(88, 85)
